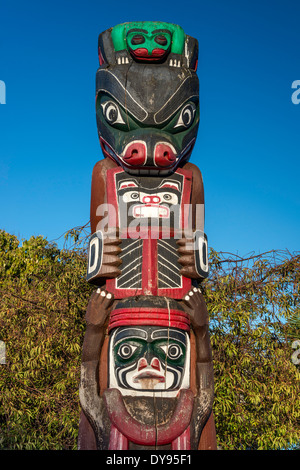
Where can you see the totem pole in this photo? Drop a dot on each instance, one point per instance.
(147, 374)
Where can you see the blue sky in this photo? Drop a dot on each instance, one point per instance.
(248, 144)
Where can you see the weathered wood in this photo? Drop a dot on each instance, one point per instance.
(147, 374)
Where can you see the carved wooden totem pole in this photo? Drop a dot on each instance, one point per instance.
(147, 374)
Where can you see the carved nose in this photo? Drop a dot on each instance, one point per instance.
(154, 199)
(142, 363)
(155, 363)
(164, 155)
(135, 154)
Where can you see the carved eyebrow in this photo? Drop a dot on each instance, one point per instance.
(130, 333)
(163, 115)
(115, 88)
(128, 184)
(137, 30)
(170, 184)
(170, 334)
(161, 31)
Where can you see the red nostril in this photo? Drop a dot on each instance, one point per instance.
(164, 155)
(155, 363)
(135, 154)
(151, 199)
(142, 363)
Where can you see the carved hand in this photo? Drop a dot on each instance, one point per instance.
(99, 307)
(187, 257)
(111, 260)
(195, 306)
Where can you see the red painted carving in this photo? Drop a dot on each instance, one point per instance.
(146, 434)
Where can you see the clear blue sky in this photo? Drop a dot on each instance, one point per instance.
(248, 144)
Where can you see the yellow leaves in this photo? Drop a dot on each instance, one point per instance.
(254, 399)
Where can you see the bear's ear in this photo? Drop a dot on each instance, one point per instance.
(107, 53)
(191, 53)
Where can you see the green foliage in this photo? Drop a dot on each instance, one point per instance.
(253, 310)
(252, 304)
(43, 301)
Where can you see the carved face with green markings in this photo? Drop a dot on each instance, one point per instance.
(148, 40)
(145, 45)
(148, 358)
(147, 101)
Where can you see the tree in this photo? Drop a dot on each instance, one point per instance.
(43, 300)
(44, 295)
(257, 404)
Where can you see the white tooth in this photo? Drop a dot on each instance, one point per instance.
(119, 60)
(127, 60)
(98, 291)
(171, 62)
(123, 60)
(186, 297)
(178, 65)
(108, 296)
(195, 289)
(102, 293)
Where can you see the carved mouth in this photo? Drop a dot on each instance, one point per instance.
(143, 54)
(107, 150)
(187, 151)
(151, 210)
(183, 156)
(149, 374)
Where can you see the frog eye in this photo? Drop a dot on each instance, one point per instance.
(161, 40)
(112, 113)
(126, 350)
(137, 39)
(187, 115)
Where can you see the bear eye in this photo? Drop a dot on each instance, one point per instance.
(112, 113)
(186, 116)
(134, 195)
(126, 350)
